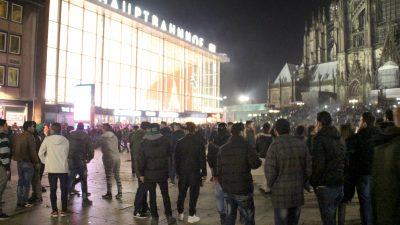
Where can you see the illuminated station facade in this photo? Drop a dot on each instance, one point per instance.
(112, 61)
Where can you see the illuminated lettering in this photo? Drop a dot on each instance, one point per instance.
(146, 15)
(163, 25)
(114, 4)
(129, 8)
(181, 33)
(195, 39)
(138, 12)
(124, 6)
(188, 36)
(201, 42)
(154, 20)
(104, 1)
(172, 29)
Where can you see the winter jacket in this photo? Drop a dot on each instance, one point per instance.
(25, 148)
(251, 137)
(135, 140)
(54, 154)
(287, 168)
(109, 148)
(80, 147)
(213, 148)
(263, 142)
(190, 156)
(175, 137)
(386, 178)
(153, 156)
(235, 161)
(361, 151)
(328, 158)
(5, 151)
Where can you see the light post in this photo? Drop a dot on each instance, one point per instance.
(244, 98)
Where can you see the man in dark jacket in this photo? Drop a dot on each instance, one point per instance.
(220, 139)
(263, 142)
(153, 156)
(361, 151)
(190, 162)
(176, 135)
(236, 159)
(327, 168)
(80, 153)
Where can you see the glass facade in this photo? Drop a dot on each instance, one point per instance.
(132, 65)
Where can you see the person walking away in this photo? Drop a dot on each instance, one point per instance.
(153, 156)
(235, 161)
(111, 160)
(5, 161)
(327, 168)
(250, 133)
(223, 135)
(80, 153)
(287, 168)
(36, 197)
(177, 134)
(27, 159)
(54, 153)
(191, 168)
(263, 141)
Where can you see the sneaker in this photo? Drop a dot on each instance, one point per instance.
(118, 196)
(193, 219)
(171, 220)
(107, 196)
(4, 216)
(27, 205)
(87, 201)
(54, 213)
(181, 216)
(63, 213)
(140, 215)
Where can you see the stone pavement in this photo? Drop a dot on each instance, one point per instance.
(104, 212)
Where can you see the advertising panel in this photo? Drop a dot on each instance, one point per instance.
(83, 104)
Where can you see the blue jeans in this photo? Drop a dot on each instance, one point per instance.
(244, 203)
(329, 199)
(219, 195)
(363, 185)
(25, 174)
(288, 216)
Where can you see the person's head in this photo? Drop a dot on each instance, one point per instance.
(154, 128)
(135, 127)
(177, 126)
(389, 115)
(55, 128)
(249, 124)
(310, 130)
(346, 131)
(191, 127)
(3, 125)
(106, 127)
(266, 128)
(80, 126)
(282, 126)
(145, 125)
(230, 124)
(29, 126)
(163, 124)
(300, 130)
(366, 120)
(237, 129)
(324, 119)
(222, 127)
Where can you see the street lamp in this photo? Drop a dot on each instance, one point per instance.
(244, 98)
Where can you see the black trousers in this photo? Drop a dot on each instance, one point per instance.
(185, 182)
(151, 186)
(141, 198)
(53, 179)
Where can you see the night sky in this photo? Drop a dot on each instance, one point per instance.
(259, 36)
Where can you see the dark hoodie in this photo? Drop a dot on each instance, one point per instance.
(220, 139)
(80, 149)
(328, 158)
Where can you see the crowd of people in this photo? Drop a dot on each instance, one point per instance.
(332, 158)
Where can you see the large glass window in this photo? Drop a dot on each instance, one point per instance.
(15, 44)
(3, 9)
(16, 13)
(3, 42)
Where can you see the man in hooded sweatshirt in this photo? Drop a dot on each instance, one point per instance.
(111, 160)
(54, 153)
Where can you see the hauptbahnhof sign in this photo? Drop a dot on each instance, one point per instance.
(155, 21)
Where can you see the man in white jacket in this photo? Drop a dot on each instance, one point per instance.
(54, 153)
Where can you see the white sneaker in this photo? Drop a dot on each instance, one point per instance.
(193, 219)
(181, 216)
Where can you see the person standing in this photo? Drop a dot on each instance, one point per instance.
(80, 153)
(263, 142)
(327, 167)
(235, 161)
(36, 197)
(5, 161)
(250, 133)
(287, 169)
(27, 160)
(54, 153)
(153, 156)
(111, 160)
(191, 168)
(177, 134)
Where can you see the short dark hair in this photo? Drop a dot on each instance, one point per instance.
(237, 128)
(222, 127)
(248, 122)
(163, 123)
(282, 126)
(80, 126)
(145, 125)
(155, 128)
(2, 122)
(300, 130)
(266, 127)
(324, 118)
(191, 127)
(56, 128)
(107, 127)
(28, 124)
(389, 115)
(368, 118)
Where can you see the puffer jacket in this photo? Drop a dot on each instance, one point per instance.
(153, 156)
(328, 157)
(80, 149)
(135, 140)
(54, 154)
(109, 148)
(235, 161)
(213, 148)
(190, 156)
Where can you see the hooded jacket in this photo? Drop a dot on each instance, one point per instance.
(54, 154)
(213, 148)
(190, 156)
(109, 147)
(328, 157)
(80, 149)
(134, 144)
